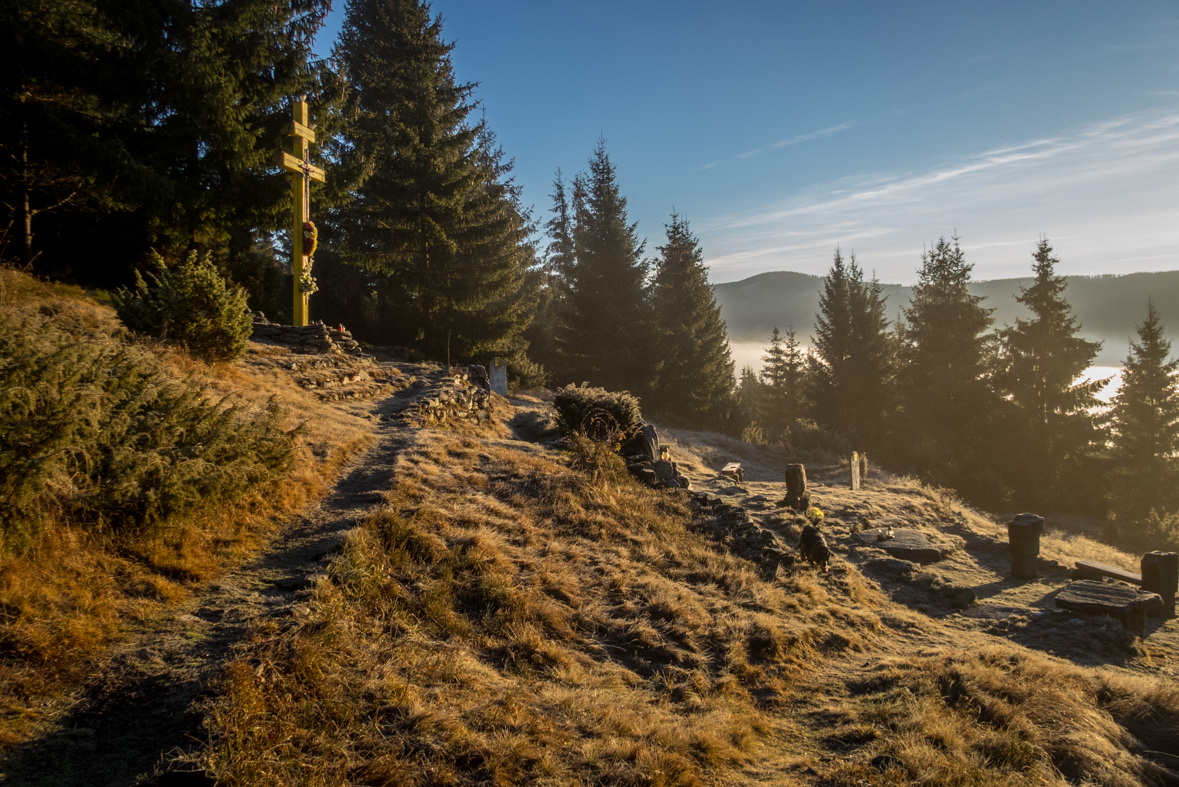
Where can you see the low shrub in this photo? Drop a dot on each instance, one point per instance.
(526, 373)
(190, 305)
(575, 404)
(98, 431)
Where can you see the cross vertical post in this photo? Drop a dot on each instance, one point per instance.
(296, 162)
(298, 260)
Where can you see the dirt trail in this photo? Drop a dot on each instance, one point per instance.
(140, 708)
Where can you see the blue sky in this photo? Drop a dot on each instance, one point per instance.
(782, 129)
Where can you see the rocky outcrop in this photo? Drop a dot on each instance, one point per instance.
(454, 400)
(316, 338)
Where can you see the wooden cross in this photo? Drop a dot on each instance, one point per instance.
(298, 165)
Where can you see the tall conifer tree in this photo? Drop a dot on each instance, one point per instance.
(173, 110)
(1055, 426)
(605, 339)
(435, 211)
(695, 377)
(1146, 428)
(782, 377)
(554, 291)
(948, 403)
(851, 368)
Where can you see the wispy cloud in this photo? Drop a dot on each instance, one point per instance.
(795, 140)
(1109, 191)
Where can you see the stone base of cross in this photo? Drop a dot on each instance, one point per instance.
(296, 162)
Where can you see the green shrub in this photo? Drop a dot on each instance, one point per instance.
(574, 404)
(526, 373)
(1157, 531)
(98, 433)
(191, 305)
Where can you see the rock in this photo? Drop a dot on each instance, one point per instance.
(893, 566)
(646, 476)
(477, 375)
(1115, 599)
(959, 597)
(912, 546)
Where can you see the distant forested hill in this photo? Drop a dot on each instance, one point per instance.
(1108, 307)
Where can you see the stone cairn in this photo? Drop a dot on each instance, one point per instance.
(314, 338)
(464, 397)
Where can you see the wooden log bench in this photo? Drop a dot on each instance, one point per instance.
(1129, 605)
(1090, 569)
(733, 470)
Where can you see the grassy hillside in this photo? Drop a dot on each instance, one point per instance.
(504, 619)
(131, 475)
(481, 604)
(1108, 307)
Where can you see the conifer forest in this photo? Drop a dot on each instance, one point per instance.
(134, 128)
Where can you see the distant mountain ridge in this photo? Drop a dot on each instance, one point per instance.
(1108, 307)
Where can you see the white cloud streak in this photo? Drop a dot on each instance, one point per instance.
(1107, 195)
(823, 132)
(795, 140)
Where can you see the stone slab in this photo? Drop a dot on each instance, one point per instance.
(909, 545)
(1123, 602)
(1089, 569)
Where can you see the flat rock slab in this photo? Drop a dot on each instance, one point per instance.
(1105, 598)
(908, 545)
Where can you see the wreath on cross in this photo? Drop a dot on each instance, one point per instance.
(310, 238)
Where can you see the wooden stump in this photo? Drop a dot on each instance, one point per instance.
(1023, 536)
(855, 472)
(796, 494)
(1160, 574)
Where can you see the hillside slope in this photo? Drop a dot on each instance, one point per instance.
(502, 619)
(463, 606)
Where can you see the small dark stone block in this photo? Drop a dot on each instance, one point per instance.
(1160, 574)
(1023, 535)
(795, 481)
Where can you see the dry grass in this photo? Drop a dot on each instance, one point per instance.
(65, 598)
(509, 620)
(1004, 716)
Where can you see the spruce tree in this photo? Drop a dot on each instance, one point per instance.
(605, 339)
(554, 283)
(850, 370)
(435, 210)
(695, 377)
(1146, 428)
(782, 384)
(172, 110)
(750, 392)
(948, 405)
(1056, 430)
